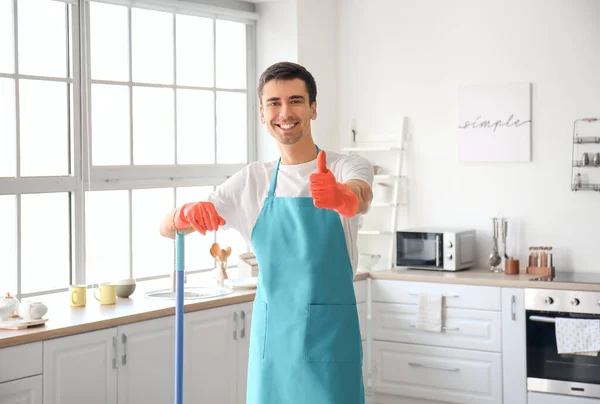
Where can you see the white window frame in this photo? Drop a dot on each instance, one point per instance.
(83, 177)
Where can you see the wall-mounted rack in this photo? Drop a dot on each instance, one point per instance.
(584, 155)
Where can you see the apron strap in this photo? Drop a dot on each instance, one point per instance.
(273, 183)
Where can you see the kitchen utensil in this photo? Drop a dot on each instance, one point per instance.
(511, 266)
(585, 159)
(78, 295)
(32, 310)
(108, 293)
(504, 234)
(8, 304)
(495, 259)
(221, 255)
(596, 160)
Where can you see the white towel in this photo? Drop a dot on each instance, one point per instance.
(429, 315)
(577, 336)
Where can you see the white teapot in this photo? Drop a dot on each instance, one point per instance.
(8, 304)
(32, 310)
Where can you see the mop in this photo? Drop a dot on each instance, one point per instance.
(179, 264)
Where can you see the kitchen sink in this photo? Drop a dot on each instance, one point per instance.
(189, 293)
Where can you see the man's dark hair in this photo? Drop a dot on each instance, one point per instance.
(288, 71)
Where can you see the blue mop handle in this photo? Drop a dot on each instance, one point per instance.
(179, 265)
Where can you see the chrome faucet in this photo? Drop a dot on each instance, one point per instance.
(174, 279)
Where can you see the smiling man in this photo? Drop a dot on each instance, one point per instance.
(300, 216)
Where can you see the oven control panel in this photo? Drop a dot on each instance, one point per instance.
(566, 301)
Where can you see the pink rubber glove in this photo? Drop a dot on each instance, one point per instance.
(327, 193)
(202, 216)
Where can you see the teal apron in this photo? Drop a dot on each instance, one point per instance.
(305, 343)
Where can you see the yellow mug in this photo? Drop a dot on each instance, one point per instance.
(108, 293)
(78, 295)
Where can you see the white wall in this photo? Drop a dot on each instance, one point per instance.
(305, 32)
(401, 57)
(277, 40)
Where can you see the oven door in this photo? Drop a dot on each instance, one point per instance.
(419, 250)
(551, 372)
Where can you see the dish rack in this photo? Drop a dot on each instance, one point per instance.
(390, 149)
(585, 157)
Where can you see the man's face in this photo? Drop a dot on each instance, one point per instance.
(285, 110)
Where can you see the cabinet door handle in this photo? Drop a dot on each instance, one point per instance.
(114, 359)
(513, 310)
(420, 365)
(124, 341)
(444, 328)
(243, 330)
(235, 325)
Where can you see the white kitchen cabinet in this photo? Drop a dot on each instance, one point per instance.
(388, 399)
(514, 347)
(20, 361)
(437, 374)
(243, 350)
(216, 354)
(81, 368)
(146, 361)
(21, 391)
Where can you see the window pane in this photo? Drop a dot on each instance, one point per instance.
(153, 126)
(197, 246)
(44, 128)
(231, 54)
(7, 57)
(8, 244)
(42, 38)
(231, 132)
(195, 127)
(8, 138)
(109, 33)
(232, 238)
(106, 236)
(195, 59)
(110, 125)
(152, 43)
(45, 241)
(153, 254)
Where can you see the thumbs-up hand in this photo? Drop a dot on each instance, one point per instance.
(327, 193)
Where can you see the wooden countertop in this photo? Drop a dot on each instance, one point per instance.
(64, 320)
(480, 277)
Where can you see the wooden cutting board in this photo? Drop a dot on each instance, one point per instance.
(20, 324)
(241, 283)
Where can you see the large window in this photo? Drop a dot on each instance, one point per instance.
(110, 116)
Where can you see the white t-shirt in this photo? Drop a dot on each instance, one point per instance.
(240, 198)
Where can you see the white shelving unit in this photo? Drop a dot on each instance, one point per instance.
(372, 147)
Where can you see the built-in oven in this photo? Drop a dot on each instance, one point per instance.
(547, 370)
(444, 249)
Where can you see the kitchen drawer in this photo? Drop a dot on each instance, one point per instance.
(20, 361)
(360, 291)
(455, 296)
(463, 328)
(543, 398)
(22, 391)
(362, 319)
(442, 374)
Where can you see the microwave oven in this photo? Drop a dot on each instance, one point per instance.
(436, 248)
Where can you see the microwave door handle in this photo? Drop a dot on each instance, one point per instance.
(437, 250)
